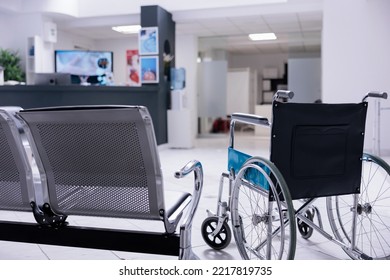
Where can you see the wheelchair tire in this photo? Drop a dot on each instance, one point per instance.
(304, 229)
(371, 213)
(263, 217)
(219, 241)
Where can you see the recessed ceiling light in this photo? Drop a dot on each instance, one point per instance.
(262, 36)
(127, 29)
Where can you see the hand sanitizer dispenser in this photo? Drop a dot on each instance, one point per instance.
(178, 82)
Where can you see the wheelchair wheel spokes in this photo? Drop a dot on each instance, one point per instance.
(260, 218)
(371, 212)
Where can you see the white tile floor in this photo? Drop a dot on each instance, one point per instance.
(212, 152)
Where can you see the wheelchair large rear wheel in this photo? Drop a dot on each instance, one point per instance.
(364, 219)
(262, 212)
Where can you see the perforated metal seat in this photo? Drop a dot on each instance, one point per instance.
(103, 161)
(15, 172)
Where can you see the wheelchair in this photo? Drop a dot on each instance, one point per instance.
(316, 151)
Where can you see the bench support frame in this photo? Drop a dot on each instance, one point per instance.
(92, 238)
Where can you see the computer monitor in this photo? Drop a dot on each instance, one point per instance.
(52, 79)
(85, 66)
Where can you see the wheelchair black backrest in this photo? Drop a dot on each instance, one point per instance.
(318, 147)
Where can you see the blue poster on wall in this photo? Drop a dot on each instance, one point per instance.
(149, 69)
(148, 40)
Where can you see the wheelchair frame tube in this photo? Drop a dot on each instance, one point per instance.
(353, 239)
(324, 233)
(220, 190)
(269, 230)
(246, 118)
(254, 119)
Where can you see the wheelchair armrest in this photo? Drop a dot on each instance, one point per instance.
(250, 119)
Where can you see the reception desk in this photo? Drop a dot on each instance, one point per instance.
(154, 97)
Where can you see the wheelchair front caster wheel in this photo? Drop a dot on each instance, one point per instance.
(305, 230)
(222, 239)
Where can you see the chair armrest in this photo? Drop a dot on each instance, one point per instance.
(186, 226)
(196, 167)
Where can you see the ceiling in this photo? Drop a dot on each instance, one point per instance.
(218, 24)
(296, 32)
(296, 23)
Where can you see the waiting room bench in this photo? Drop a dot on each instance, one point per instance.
(99, 161)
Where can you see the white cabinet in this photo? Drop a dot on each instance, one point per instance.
(34, 58)
(179, 129)
(241, 91)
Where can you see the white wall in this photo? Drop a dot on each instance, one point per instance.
(186, 50)
(304, 79)
(16, 30)
(65, 7)
(119, 47)
(69, 41)
(355, 54)
(10, 5)
(4, 38)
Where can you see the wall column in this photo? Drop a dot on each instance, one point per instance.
(355, 56)
(186, 57)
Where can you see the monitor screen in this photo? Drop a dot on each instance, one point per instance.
(85, 66)
(52, 79)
